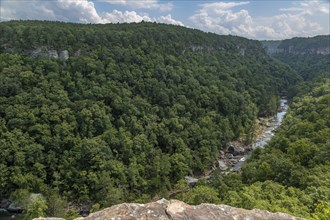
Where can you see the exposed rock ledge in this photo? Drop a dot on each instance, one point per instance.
(174, 209)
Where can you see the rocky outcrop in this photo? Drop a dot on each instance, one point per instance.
(43, 51)
(50, 54)
(202, 48)
(222, 165)
(191, 180)
(299, 46)
(234, 154)
(64, 54)
(235, 150)
(174, 209)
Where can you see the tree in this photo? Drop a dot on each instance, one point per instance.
(322, 211)
(201, 194)
(37, 207)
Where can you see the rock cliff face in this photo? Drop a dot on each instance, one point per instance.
(299, 46)
(174, 209)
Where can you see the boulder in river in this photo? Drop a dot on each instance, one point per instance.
(191, 180)
(235, 150)
(222, 165)
(221, 154)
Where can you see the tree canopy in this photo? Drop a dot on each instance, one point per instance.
(136, 107)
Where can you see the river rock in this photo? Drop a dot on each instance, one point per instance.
(235, 150)
(191, 180)
(174, 209)
(221, 154)
(14, 208)
(222, 165)
(229, 156)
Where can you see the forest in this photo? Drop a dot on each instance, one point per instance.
(291, 174)
(134, 108)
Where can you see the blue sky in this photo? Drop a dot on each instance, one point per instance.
(256, 19)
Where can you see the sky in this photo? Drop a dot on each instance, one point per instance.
(256, 19)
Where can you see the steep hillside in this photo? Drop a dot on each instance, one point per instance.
(120, 112)
(310, 57)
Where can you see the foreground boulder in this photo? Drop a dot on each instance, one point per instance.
(174, 209)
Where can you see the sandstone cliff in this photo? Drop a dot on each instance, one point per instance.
(174, 209)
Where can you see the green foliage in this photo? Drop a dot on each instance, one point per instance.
(56, 204)
(20, 198)
(71, 214)
(95, 207)
(301, 44)
(180, 188)
(37, 207)
(308, 56)
(201, 194)
(291, 174)
(322, 211)
(121, 119)
(271, 196)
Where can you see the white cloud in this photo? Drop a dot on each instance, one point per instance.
(310, 7)
(146, 4)
(63, 10)
(219, 6)
(82, 11)
(225, 18)
(128, 16)
(218, 17)
(168, 20)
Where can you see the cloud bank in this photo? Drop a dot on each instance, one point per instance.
(146, 4)
(225, 18)
(302, 18)
(82, 11)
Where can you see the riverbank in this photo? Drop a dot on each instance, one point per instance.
(263, 134)
(233, 157)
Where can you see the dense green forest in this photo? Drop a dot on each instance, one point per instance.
(292, 173)
(136, 107)
(308, 56)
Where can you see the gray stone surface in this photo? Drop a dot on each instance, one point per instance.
(222, 165)
(52, 54)
(175, 210)
(64, 54)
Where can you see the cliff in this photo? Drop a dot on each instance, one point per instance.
(319, 45)
(174, 209)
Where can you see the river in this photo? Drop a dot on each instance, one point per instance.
(267, 134)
